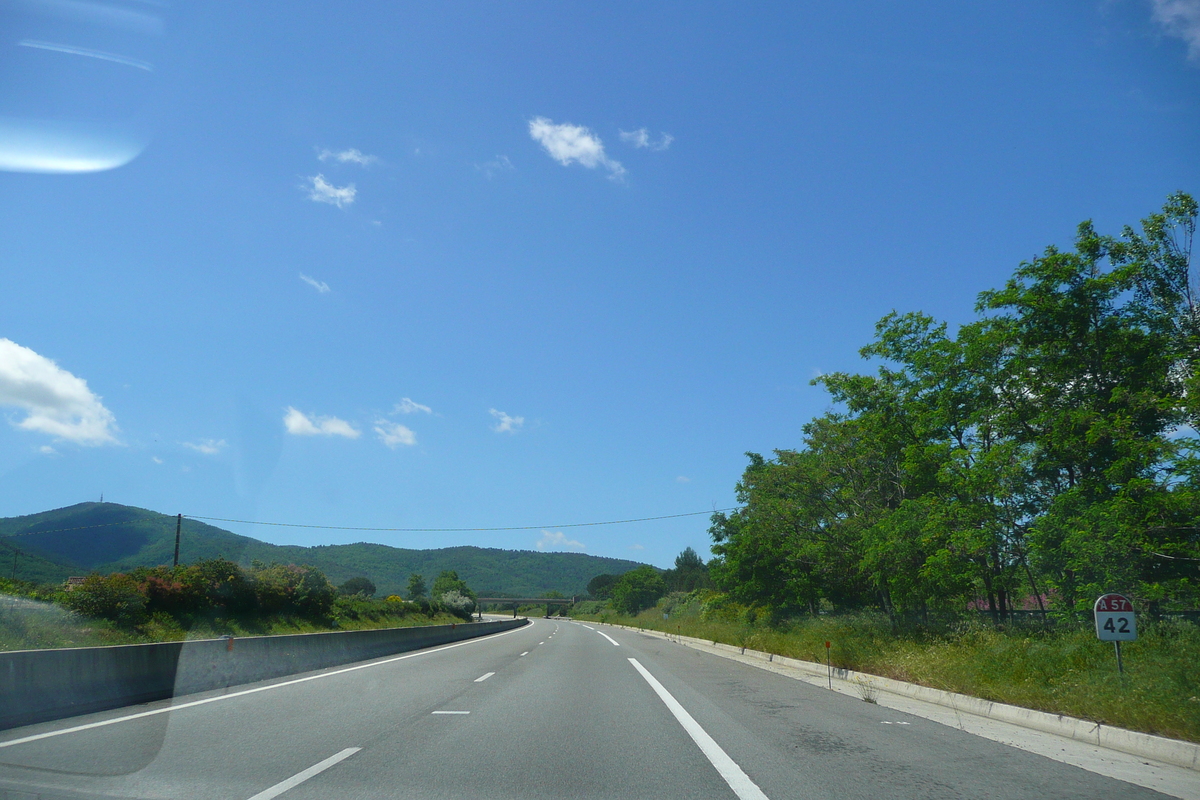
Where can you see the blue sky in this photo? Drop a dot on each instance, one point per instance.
(463, 265)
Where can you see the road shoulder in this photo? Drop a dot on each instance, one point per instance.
(1065, 739)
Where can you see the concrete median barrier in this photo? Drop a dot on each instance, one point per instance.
(41, 685)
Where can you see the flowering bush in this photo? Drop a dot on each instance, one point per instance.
(116, 597)
(215, 586)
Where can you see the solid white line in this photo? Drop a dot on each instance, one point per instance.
(301, 777)
(484, 677)
(739, 781)
(255, 690)
(449, 712)
(606, 636)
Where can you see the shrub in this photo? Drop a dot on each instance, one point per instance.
(457, 603)
(720, 607)
(588, 607)
(170, 592)
(223, 583)
(293, 589)
(115, 597)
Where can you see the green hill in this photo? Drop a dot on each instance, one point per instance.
(108, 537)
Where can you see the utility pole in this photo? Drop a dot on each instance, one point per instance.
(15, 553)
(178, 527)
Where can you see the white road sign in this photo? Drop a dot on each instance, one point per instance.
(1115, 621)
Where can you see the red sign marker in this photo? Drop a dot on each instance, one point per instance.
(1113, 602)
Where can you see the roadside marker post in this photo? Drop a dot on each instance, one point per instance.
(1115, 622)
(828, 667)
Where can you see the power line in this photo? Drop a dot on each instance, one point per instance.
(1174, 558)
(457, 530)
(359, 528)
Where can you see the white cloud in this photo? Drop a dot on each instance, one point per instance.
(683, 479)
(636, 547)
(497, 166)
(47, 450)
(156, 459)
(641, 138)
(505, 423)
(407, 406)
(1181, 19)
(321, 191)
(567, 144)
(208, 447)
(393, 434)
(351, 156)
(320, 286)
(301, 424)
(556, 540)
(55, 401)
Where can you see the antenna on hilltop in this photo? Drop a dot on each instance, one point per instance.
(102, 497)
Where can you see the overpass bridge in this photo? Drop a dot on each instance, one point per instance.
(523, 601)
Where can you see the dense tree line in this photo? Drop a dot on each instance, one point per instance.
(641, 588)
(1037, 456)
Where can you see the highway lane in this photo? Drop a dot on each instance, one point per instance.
(555, 709)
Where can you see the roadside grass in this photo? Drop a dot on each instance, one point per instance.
(27, 624)
(29, 621)
(1062, 671)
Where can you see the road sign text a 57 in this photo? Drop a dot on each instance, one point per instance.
(1115, 620)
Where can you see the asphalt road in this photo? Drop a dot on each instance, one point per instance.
(556, 709)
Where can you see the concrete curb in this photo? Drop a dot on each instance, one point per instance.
(860, 684)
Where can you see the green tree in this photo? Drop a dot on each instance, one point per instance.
(600, 587)
(1093, 399)
(416, 587)
(448, 585)
(1039, 446)
(358, 586)
(689, 573)
(637, 589)
(967, 511)
(448, 581)
(1168, 288)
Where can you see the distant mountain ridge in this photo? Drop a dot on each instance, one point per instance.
(109, 537)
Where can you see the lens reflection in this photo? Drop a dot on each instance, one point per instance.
(76, 81)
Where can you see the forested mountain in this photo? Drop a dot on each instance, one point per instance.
(1040, 455)
(108, 537)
